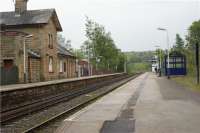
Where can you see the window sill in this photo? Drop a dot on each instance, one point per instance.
(51, 72)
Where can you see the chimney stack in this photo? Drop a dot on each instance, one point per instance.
(20, 6)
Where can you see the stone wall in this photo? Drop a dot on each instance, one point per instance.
(47, 52)
(7, 47)
(12, 49)
(70, 67)
(34, 70)
(24, 94)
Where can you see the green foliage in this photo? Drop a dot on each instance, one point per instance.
(192, 38)
(189, 50)
(79, 53)
(139, 61)
(195, 31)
(160, 53)
(179, 47)
(138, 67)
(65, 43)
(139, 56)
(100, 48)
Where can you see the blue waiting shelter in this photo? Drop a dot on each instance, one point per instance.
(177, 64)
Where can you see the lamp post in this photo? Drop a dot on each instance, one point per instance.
(160, 60)
(163, 29)
(25, 72)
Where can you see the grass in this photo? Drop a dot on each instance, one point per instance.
(138, 67)
(188, 81)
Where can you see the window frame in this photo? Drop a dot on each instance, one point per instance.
(50, 40)
(65, 67)
(61, 66)
(50, 66)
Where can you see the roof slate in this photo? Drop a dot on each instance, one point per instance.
(28, 18)
(64, 51)
(33, 53)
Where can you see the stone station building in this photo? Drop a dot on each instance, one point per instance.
(45, 58)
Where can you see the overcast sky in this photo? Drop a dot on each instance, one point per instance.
(132, 23)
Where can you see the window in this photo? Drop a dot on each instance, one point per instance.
(179, 59)
(179, 65)
(50, 64)
(8, 64)
(50, 41)
(65, 67)
(61, 66)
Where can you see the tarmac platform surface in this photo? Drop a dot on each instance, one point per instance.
(147, 104)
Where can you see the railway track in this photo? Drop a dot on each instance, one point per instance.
(24, 110)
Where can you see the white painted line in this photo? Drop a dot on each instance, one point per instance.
(74, 116)
(88, 95)
(71, 118)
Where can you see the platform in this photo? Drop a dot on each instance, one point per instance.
(147, 104)
(103, 115)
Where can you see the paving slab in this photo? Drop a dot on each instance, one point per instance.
(166, 107)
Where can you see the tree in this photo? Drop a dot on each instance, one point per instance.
(139, 61)
(68, 45)
(65, 43)
(79, 53)
(194, 35)
(100, 47)
(192, 38)
(179, 47)
(61, 39)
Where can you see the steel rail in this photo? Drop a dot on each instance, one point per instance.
(17, 112)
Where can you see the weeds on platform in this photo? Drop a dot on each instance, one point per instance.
(188, 81)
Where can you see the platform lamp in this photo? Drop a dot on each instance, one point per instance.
(25, 71)
(163, 29)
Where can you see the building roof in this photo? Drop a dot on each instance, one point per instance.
(30, 17)
(63, 51)
(84, 60)
(33, 54)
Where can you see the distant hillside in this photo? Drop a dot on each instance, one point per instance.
(139, 61)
